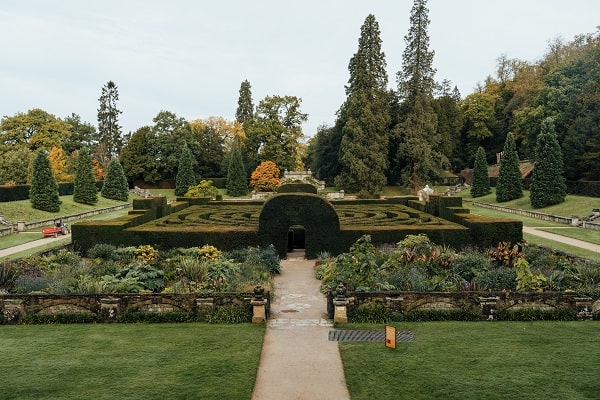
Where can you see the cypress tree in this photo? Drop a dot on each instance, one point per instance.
(547, 182)
(43, 193)
(509, 186)
(84, 188)
(481, 180)
(365, 129)
(237, 184)
(115, 185)
(185, 172)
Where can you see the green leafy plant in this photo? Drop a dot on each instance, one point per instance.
(204, 189)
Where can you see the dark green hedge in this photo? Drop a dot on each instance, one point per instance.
(14, 192)
(488, 232)
(297, 188)
(584, 188)
(315, 214)
(21, 192)
(536, 314)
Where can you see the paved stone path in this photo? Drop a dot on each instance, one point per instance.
(33, 244)
(298, 361)
(563, 239)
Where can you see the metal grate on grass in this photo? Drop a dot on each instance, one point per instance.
(367, 336)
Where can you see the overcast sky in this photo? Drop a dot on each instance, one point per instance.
(189, 57)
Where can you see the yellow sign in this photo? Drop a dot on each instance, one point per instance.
(390, 336)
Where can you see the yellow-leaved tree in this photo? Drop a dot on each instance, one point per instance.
(60, 165)
(265, 178)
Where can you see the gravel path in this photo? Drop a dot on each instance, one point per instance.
(298, 361)
(563, 239)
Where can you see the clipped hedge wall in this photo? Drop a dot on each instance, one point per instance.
(14, 192)
(488, 232)
(297, 188)
(86, 234)
(314, 213)
(21, 192)
(584, 188)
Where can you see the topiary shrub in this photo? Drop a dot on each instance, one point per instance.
(204, 189)
(297, 188)
(115, 185)
(265, 178)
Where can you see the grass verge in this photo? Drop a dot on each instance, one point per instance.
(137, 361)
(461, 360)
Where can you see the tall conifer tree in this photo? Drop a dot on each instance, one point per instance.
(109, 130)
(245, 109)
(44, 190)
(84, 188)
(115, 185)
(185, 177)
(481, 179)
(547, 182)
(237, 182)
(509, 186)
(365, 113)
(417, 141)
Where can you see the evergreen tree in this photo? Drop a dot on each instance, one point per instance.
(547, 182)
(84, 188)
(109, 129)
(365, 117)
(185, 177)
(416, 140)
(417, 74)
(481, 180)
(115, 185)
(43, 193)
(245, 109)
(509, 186)
(237, 184)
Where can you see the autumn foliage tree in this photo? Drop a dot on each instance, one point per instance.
(59, 164)
(265, 177)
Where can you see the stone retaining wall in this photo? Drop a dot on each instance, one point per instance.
(108, 308)
(487, 304)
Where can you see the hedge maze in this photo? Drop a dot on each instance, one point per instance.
(327, 226)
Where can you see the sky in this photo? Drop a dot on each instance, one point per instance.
(190, 57)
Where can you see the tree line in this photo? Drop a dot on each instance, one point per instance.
(402, 136)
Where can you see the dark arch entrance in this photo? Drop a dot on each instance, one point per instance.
(316, 215)
(296, 238)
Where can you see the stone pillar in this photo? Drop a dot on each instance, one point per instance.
(489, 305)
(340, 305)
(584, 307)
(109, 309)
(259, 306)
(12, 311)
(204, 305)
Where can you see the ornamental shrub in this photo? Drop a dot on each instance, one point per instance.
(115, 185)
(265, 177)
(203, 189)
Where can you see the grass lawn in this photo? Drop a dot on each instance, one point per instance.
(573, 205)
(21, 209)
(129, 361)
(462, 360)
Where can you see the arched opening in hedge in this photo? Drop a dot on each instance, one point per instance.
(296, 238)
(316, 215)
